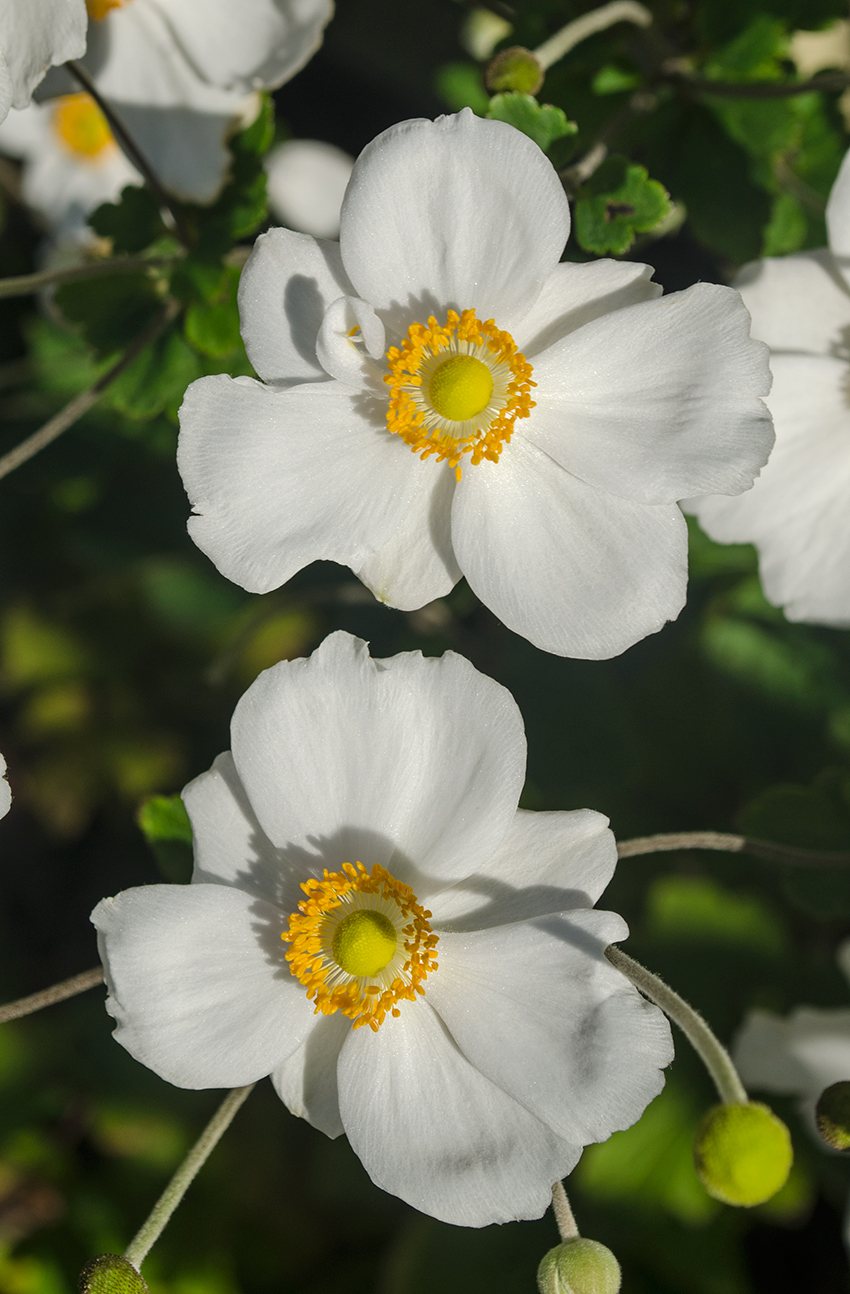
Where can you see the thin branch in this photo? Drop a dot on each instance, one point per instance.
(730, 844)
(58, 993)
(25, 284)
(81, 404)
(564, 1216)
(131, 148)
(588, 24)
(709, 1048)
(759, 89)
(150, 1231)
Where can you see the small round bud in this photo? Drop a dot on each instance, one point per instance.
(832, 1114)
(513, 69)
(579, 1267)
(111, 1274)
(742, 1153)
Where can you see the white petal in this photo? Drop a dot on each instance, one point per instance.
(414, 763)
(838, 218)
(186, 147)
(252, 45)
(548, 862)
(574, 294)
(798, 1056)
(431, 1129)
(456, 212)
(307, 1081)
(797, 513)
(538, 1008)
(6, 87)
(283, 478)
(288, 282)
(5, 790)
(198, 983)
(577, 571)
(230, 846)
(306, 184)
(350, 339)
(658, 401)
(797, 303)
(417, 564)
(35, 34)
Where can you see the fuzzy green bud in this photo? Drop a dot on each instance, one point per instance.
(111, 1274)
(742, 1153)
(579, 1267)
(513, 69)
(832, 1114)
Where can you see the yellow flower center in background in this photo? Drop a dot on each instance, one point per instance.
(81, 126)
(457, 389)
(364, 943)
(360, 943)
(98, 9)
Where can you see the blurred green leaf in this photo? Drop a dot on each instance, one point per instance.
(618, 202)
(540, 121)
(461, 85)
(213, 327)
(156, 381)
(696, 907)
(133, 223)
(611, 79)
(164, 817)
(110, 312)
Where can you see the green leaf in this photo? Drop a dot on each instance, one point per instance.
(242, 206)
(164, 817)
(156, 381)
(542, 122)
(111, 312)
(782, 664)
(460, 85)
(213, 329)
(619, 202)
(698, 908)
(611, 79)
(133, 223)
(786, 230)
(754, 54)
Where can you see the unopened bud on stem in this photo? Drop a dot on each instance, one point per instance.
(832, 1114)
(579, 1267)
(742, 1153)
(513, 69)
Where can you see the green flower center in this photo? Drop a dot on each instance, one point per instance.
(460, 387)
(364, 942)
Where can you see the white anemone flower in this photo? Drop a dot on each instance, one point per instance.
(441, 397)
(71, 163)
(34, 35)
(798, 512)
(372, 922)
(307, 179)
(182, 74)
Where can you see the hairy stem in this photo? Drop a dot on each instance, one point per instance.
(25, 284)
(554, 49)
(567, 1226)
(58, 993)
(81, 403)
(731, 844)
(131, 148)
(150, 1231)
(711, 1051)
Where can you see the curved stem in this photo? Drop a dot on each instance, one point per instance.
(711, 1051)
(81, 404)
(564, 1216)
(554, 49)
(150, 1231)
(731, 844)
(131, 148)
(25, 284)
(58, 993)
(759, 89)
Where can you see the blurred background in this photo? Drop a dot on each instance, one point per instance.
(123, 652)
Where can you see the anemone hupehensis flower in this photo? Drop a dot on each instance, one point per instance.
(798, 512)
(372, 921)
(441, 396)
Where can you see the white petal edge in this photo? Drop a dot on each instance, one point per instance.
(307, 1081)
(797, 303)
(431, 1129)
(574, 294)
(577, 571)
(34, 35)
(838, 218)
(797, 1056)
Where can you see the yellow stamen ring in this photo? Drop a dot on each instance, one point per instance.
(360, 943)
(457, 389)
(81, 126)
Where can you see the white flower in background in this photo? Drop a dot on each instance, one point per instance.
(5, 790)
(798, 512)
(441, 397)
(306, 185)
(34, 34)
(71, 163)
(373, 922)
(182, 74)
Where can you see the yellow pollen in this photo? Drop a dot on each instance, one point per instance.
(457, 389)
(98, 9)
(80, 125)
(460, 387)
(364, 943)
(360, 943)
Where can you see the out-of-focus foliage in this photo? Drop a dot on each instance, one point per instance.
(123, 652)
